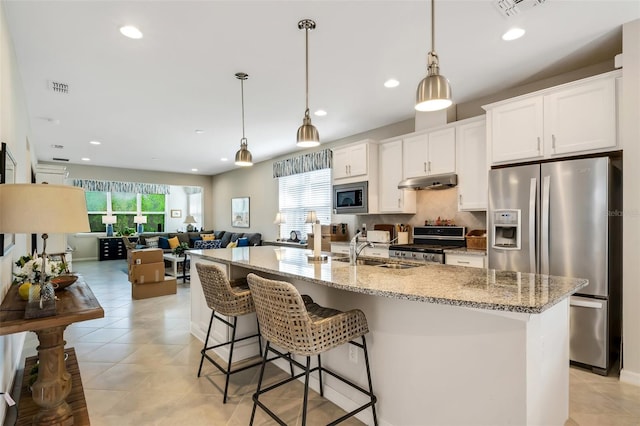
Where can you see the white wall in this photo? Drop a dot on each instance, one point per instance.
(630, 136)
(13, 131)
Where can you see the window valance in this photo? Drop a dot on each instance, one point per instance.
(303, 163)
(113, 186)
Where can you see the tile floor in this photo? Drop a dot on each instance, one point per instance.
(139, 366)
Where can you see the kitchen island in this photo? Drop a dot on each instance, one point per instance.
(448, 345)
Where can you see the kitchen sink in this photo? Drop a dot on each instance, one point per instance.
(380, 263)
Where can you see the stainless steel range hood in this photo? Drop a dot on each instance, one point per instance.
(430, 182)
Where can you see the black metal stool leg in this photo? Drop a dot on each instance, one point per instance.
(228, 373)
(259, 338)
(206, 340)
(255, 395)
(366, 362)
(320, 375)
(306, 392)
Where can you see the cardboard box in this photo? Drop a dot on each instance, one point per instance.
(146, 273)
(141, 256)
(147, 290)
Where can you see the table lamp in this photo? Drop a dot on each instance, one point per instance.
(40, 209)
(109, 221)
(190, 220)
(140, 220)
(312, 218)
(279, 220)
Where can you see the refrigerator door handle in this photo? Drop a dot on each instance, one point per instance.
(586, 304)
(532, 225)
(544, 232)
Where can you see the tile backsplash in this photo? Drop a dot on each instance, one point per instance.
(430, 204)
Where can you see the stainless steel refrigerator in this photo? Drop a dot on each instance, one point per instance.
(564, 218)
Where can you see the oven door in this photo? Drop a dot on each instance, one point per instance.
(351, 198)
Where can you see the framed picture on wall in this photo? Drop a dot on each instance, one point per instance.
(176, 213)
(7, 175)
(240, 212)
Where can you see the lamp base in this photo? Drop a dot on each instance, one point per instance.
(109, 230)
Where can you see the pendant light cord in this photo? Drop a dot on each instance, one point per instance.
(242, 97)
(433, 27)
(306, 46)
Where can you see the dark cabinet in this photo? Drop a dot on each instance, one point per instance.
(111, 248)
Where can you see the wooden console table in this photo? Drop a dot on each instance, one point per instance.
(75, 303)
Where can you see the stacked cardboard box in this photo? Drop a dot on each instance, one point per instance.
(146, 274)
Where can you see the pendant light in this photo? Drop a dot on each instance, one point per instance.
(307, 133)
(243, 156)
(434, 92)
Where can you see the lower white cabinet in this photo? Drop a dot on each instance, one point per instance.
(376, 252)
(470, 260)
(342, 248)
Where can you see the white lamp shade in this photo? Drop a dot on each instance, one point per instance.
(139, 219)
(279, 219)
(190, 219)
(42, 209)
(311, 217)
(109, 220)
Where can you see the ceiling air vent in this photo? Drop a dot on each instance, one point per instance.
(60, 159)
(58, 87)
(511, 8)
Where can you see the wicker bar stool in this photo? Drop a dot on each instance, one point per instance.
(297, 324)
(229, 301)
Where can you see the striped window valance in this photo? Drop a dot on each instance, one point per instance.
(303, 163)
(113, 186)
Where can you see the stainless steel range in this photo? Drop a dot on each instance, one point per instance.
(429, 243)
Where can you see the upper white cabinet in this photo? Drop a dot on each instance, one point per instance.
(577, 117)
(471, 164)
(351, 161)
(431, 153)
(392, 199)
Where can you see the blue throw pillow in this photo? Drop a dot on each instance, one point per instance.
(192, 241)
(163, 243)
(243, 242)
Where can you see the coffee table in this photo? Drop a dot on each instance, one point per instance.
(175, 261)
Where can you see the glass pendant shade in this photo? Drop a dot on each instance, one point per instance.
(243, 156)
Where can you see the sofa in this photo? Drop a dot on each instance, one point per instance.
(195, 239)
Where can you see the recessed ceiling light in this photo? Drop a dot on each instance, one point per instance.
(199, 131)
(194, 170)
(513, 34)
(224, 159)
(392, 82)
(131, 32)
(85, 159)
(320, 113)
(95, 142)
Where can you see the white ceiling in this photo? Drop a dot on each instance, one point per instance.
(144, 99)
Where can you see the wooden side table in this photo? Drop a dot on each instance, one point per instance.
(75, 303)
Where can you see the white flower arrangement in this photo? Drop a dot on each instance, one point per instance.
(30, 268)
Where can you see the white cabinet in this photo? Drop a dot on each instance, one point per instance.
(382, 252)
(340, 248)
(575, 118)
(351, 161)
(391, 199)
(470, 260)
(431, 153)
(471, 165)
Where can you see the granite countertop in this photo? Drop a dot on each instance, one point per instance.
(432, 283)
(464, 250)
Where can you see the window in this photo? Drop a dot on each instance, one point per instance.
(301, 193)
(125, 206)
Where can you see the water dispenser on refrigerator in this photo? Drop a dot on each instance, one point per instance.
(506, 229)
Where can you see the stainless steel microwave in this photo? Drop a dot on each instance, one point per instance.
(351, 198)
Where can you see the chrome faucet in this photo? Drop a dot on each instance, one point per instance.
(355, 249)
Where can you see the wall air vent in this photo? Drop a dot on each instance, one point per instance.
(66, 160)
(511, 8)
(56, 146)
(58, 87)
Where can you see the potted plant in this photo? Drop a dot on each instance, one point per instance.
(179, 251)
